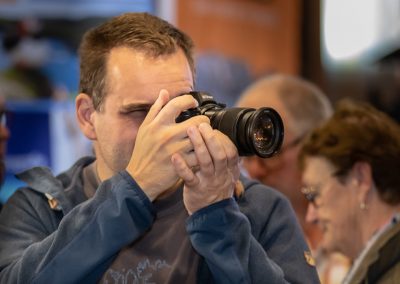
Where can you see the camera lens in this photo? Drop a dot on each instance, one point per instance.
(253, 131)
(265, 132)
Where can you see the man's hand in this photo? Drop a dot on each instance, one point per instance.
(215, 176)
(158, 138)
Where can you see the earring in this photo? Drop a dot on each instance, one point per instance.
(363, 206)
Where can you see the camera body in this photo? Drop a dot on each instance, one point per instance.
(254, 132)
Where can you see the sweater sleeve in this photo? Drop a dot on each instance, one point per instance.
(81, 245)
(223, 235)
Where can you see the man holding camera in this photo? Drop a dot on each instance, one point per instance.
(162, 201)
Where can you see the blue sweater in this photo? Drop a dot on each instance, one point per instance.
(255, 239)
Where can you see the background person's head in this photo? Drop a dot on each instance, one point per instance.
(124, 63)
(351, 173)
(302, 107)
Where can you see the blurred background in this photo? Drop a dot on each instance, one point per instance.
(348, 48)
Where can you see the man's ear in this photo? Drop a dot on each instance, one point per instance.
(84, 113)
(362, 175)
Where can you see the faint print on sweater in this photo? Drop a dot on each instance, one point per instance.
(141, 275)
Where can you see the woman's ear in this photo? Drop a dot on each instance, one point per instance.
(84, 110)
(362, 175)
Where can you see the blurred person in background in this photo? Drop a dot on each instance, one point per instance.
(28, 51)
(4, 135)
(302, 106)
(350, 170)
(223, 77)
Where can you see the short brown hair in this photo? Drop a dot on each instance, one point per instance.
(357, 132)
(140, 31)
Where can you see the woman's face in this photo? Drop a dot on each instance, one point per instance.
(334, 207)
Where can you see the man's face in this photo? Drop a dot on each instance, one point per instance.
(134, 82)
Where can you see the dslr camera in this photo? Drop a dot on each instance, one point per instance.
(253, 131)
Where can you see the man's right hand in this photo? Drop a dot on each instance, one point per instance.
(158, 138)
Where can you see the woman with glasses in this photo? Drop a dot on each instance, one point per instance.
(351, 174)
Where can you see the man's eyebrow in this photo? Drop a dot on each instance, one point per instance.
(135, 107)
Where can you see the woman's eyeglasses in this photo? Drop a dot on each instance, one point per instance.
(312, 194)
(292, 144)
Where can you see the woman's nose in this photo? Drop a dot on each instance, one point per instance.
(312, 214)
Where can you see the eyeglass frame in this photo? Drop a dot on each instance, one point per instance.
(291, 144)
(272, 161)
(311, 193)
